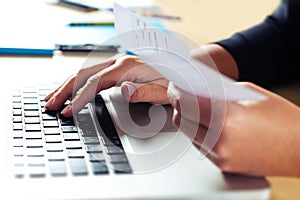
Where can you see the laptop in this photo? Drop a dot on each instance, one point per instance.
(111, 149)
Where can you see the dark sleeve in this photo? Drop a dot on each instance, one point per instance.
(268, 54)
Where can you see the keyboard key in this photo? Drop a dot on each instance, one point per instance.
(73, 145)
(30, 101)
(54, 147)
(75, 153)
(32, 127)
(114, 150)
(53, 138)
(18, 134)
(42, 103)
(18, 151)
(52, 131)
(99, 168)
(84, 119)
(32, 120)
(17, 100)
(31, 113)
(50, 123)
(93, 148)
(56, 156)
(17, 112)
(35, 152)
(78, 166)
(36, 161)
(17, 119)
(69, 129)
(37, 171)
(47, 116)
(67, 121)
(34, 143)
(18, 142)
(58, 168)
(89, 132)
(96, 157)
(91, 140)
(29, 91)
(71, 136)
(17, 94)
(121, 168)
(19, 161)
(17, 126)
(118, 158)
(114, 141)
(19, 171)
(29, 97)
(17, 106)
(33, 135)
(31, 107)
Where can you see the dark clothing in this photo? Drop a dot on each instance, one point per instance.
(269, 54)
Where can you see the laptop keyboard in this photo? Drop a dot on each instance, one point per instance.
(45, 144)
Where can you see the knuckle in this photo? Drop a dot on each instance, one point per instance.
(176, 118)
(93, 80)
(138, 95)
(130, 61)
(80, 72)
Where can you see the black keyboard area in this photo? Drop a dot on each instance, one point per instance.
(44, 143)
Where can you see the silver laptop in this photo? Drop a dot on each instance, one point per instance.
(110, 150)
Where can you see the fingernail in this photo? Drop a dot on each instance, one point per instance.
(66, 110)
(48, 97)
(49, 103)
(130, 90)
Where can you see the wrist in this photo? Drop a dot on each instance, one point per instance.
(220, 57)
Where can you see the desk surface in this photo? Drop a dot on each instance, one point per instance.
(203, 21)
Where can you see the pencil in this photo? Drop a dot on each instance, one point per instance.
(107, 23)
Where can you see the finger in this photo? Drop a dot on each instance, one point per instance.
(56, 99)
(154, 92)
(104, 79)
(50, 95)
(60, 95)
(197, 134)
(192, 107)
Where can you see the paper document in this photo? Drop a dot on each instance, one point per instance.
(169, 56)
(135, 33)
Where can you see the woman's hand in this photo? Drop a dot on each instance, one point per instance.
(139, 83)
(257, 138)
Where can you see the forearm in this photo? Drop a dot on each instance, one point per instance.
(213, 54)
(294, 130)
(267, 54)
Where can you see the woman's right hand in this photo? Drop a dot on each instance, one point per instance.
(138, 81)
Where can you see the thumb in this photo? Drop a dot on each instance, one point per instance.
(154, 92)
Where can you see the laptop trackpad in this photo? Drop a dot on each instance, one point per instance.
(147, 133)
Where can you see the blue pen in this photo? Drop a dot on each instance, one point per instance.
(130, 53)
(26, 52)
